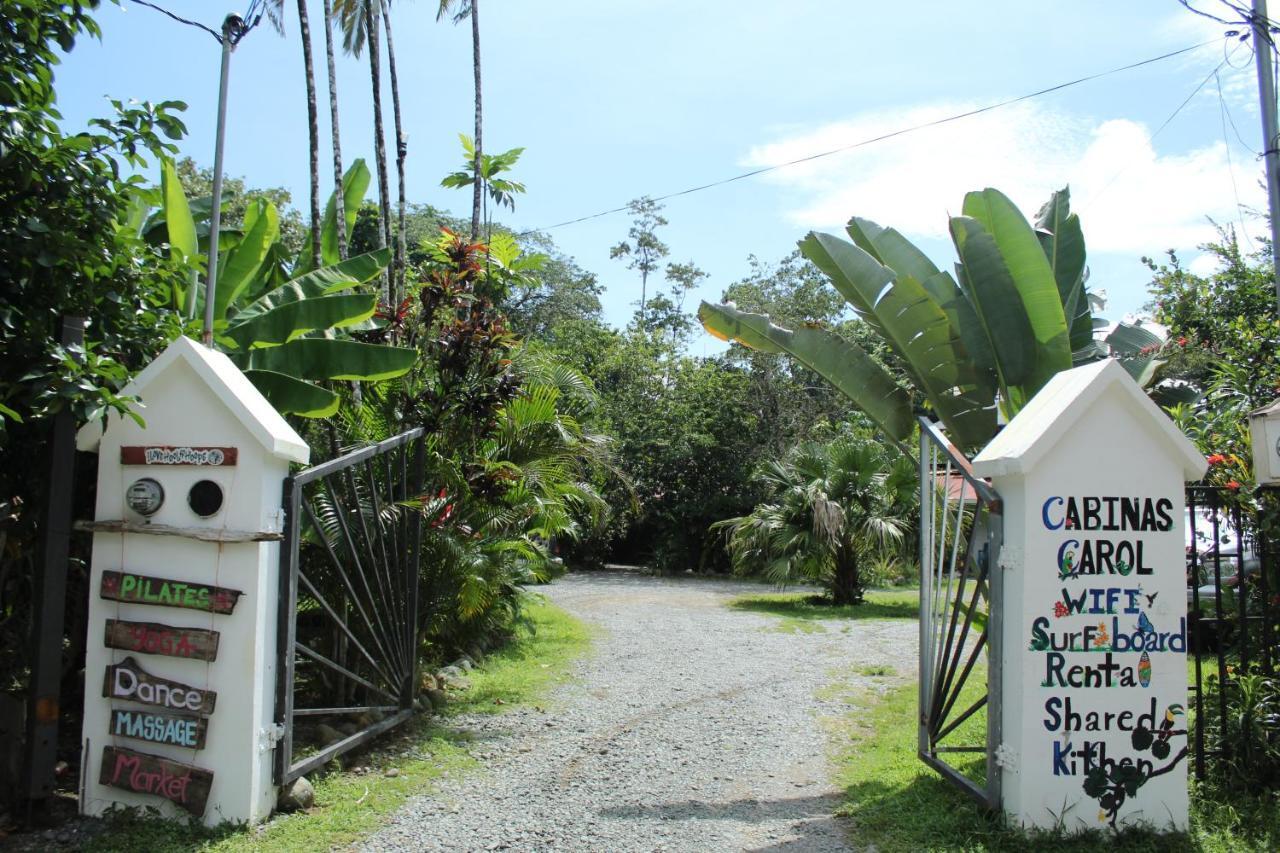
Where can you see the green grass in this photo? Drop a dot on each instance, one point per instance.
(895, 802)
(349, 805)
(798, 607)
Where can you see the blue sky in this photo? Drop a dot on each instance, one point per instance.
(613, 100)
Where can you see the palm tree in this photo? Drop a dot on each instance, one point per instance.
(402, 150)
(828, 508)
(333, 122)
(468, 9)
(275, 11)
(359, 22)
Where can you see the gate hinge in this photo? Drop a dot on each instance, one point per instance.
(1010, 558)
(1006, 758)
(269, 736)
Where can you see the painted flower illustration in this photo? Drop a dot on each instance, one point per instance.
(1060, 610)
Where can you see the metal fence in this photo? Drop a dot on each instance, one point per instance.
(1231, 622)
(960, 535)
(349, 587)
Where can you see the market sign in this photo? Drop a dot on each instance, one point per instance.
(127, 680)
(156, 639)
(150, 774)
(143, 589)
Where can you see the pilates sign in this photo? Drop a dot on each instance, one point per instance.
(1094, 681)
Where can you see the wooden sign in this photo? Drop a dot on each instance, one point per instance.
(149, 774)
(142, 589)
(127, 680)
(205, 456)
(156, 727)
(155, 639)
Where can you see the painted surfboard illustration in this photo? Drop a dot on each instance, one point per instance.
(1144, 670)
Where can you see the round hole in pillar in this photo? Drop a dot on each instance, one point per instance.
(205, 498)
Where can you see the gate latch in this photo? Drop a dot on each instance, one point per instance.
(269, 736)
(1010, 558)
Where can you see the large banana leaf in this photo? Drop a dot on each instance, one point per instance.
(998, 311)
(292, 396)
(842, 363)
(914, 326)
(323, 358)
(1062, 239)
(330, 279)
(975, 360)
(245, 259)
(292, 320)
(178, 221)
(355, 183)
(1032, 278)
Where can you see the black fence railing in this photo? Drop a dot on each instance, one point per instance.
(348, 602)
(1232, 614)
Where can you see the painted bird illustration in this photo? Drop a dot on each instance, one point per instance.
(1144, 624)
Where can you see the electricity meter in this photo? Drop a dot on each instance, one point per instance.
(145, 496)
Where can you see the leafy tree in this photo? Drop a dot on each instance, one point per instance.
(643, 247)
(1224, 332)
(828, 510)
(65, 249)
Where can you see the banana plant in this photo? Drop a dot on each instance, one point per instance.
(286, 326)
(977, 344)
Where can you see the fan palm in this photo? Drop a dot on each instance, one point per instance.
(828, 508)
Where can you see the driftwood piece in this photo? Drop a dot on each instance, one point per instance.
(185, 730)
(129, 681)
(150, 774)
(155, 639)
(144, 589)
(204, 534)
(181, 455)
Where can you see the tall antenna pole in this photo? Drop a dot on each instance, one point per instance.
(1262, 46)
(232, 29)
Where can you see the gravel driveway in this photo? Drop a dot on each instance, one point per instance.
(690, 727)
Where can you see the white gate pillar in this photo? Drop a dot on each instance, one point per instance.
(1094, 672)
(180, 668)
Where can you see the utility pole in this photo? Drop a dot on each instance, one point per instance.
(233, 29)
(1270, 133)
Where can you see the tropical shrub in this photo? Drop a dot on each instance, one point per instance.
(285, 332)
(831, 512)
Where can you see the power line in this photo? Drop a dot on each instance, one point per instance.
(1231, 169)
(893, 134)
(1210, 76)
(252, 18)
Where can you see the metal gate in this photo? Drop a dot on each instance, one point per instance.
(960, 536)
(348, 620)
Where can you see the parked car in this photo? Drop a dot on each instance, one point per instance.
(1210, 558)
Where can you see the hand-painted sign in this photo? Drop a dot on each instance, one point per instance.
(149, 774)
(155, 727)
(156, 639)
(127, 680)
(178, 455)
(142, 589)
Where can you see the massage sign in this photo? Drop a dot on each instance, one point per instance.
(174, 713)
(1102, 634)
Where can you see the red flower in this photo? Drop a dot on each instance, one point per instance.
(1216, 459)
(1233, 485)
(1059, 609)
(1182, 342)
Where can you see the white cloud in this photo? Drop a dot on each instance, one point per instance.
(1130, 197)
